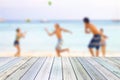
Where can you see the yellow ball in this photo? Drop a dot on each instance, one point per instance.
(49, 3)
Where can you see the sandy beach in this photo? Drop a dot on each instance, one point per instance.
(53, 54)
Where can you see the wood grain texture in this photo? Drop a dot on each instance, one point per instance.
(79, 70)
(108, 75)
(5, 60)
(32, 72)
(56, 73)
(9, 64)
(94, 73)
(68, 72)
(108, 66)
(55, 68)
(20, 72)
(12, 69)
(45, 71)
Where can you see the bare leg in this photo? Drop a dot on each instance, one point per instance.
(18, 51)
(91, 51)
(65, 50)
(104, 50)
(97, 53)
(58, 53)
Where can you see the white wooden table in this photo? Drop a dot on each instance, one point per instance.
(64, 68)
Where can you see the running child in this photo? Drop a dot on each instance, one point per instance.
(58, 32)
(19, 35)
(103, 42)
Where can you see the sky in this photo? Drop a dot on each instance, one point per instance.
(60, 9)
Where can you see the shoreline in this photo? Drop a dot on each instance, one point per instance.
(53, 54)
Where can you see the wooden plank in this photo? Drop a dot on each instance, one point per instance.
(111, 68)
(32, 72)
(92, 71)
(102, 70)
(68, 72)
(20, 72)
(56, 73)
(118, 58)
(45, 70)
(79, 70)
(9, 64)
(111, 63)
(115, 59)
(5, 60)
(12, 69)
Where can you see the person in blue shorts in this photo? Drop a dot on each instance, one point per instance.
(95, 41)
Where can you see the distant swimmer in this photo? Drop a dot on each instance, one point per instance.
(95, 41)
(19, 35)
(58, 32)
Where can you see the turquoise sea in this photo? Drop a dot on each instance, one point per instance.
(37, 40)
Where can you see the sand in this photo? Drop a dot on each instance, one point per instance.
(52, 54)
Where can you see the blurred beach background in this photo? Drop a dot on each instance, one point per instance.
(37, 40)
(32, 16)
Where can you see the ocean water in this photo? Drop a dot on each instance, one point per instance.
(36, 39)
